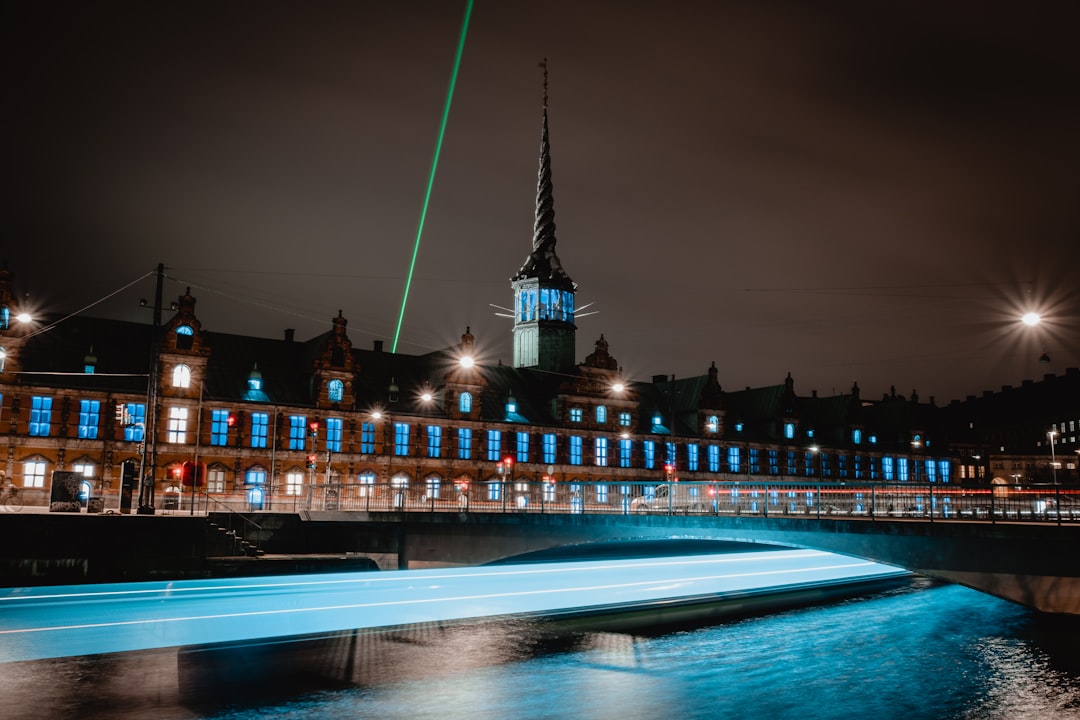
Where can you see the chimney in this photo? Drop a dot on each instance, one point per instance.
(290, 333)
(378, 346)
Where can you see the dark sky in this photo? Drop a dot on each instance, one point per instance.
(847, 190)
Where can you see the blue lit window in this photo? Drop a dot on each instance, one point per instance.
(575, 449)
(657, 419)
(842, 462)
(714, 458)
(887, 468)
(789, 431)
(774, 462)
(902, 469)
(89, 415)
(135, 431)
(575, 414)
(464, 443)
(669, 452)
(434, 441)
(260, 427)
(943, 470)
(856, 436)
(494, 445)
(522, 447)
(40, 415)
(624, 419)
(465, 402)
(511, 405)
(549, 448)
(826, 466)
(367, 437)
(494, 491)
(712, 424)
(219, 427)
(181, 376)
(733, 459)
(808, 464)
(601, 414)
(184, 330)
(752, 458)
(649, 453)
(255, 476)
(297, 432)
(601, 492)
(401, 439)
(335, 389)
(334, 427)
(692, 457)
(791, 468)
(873, 439)
(858, 467)
(367, 483)
(738, 427)
(5, 317)
(810, 433)
(626, 452)
(600, 448)
(931, 471)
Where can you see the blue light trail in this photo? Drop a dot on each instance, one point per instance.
(39, 623)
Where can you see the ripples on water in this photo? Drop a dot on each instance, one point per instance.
(922, 652)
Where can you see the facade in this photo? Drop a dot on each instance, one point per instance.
(265, 422)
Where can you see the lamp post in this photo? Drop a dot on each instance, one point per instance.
(1052, 434)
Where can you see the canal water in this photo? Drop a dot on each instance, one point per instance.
(916, 651)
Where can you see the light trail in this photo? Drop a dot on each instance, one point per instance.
(431, 176)
(39, 623)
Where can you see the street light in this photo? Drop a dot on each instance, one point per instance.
(1053, 460)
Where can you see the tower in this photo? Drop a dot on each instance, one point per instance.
(543, 292)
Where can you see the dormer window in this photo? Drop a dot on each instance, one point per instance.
(712, 423)
(601, 414)
(511, 405)
(184, 337)
(789, 431)
(657, 419)
(575, 414)
(181, 376)
(254, 382)
(465, 403)
(856, 436)
(336, 390)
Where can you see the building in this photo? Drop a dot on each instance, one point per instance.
(270, 423)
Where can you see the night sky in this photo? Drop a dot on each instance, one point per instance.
(846, 191)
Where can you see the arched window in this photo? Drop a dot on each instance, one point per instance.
(336, 390)
(789, 431)
(465, 402)
(601, 414)
(184, 337)
(181, 376)
(712, 423)
(856, 436)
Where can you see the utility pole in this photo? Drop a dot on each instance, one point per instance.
(146, 488)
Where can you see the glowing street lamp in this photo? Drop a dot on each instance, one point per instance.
(1031, 319)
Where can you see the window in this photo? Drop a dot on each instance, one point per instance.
(712, 424)
(215, 480)
(255, 476)
(649, 451)
(943, 470)
(89, 414)
(465, 402)
(511, 405)
(135, 430)
(738, 427)
(789, 431)
(3, 353)
(522, 447)
(549, 448)
(601, 490)
(34, 473)
(367, 483)
(791, 465)
(626, 452)
(85, 469)
(692, 457)
(401, 439)
(601, 414)
(260, 426)
(40, 415)
(575, 415)
(733, 459)
(334, 427)
(335, 390)
(856, 436)
(624, 419)
(178, 417)
(464, 443)
(219, 427)
(181, 376)
(434, 441)
(294, 483)
(887, 468)
(494, 490)
(669, 453)
(367, 437)
(434, 484)
(774, 462)
(752, 458)
(184, 337)
(494, 445)
(297, 432)
(931, 471)
(902, 469)
(600, 449)
(713, 452)
(575, 449)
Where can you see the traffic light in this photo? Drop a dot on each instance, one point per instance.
(313, 429)
(311, 462)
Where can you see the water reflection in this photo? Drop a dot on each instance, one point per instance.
(919, 652)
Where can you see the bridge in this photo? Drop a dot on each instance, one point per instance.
(1017, 544)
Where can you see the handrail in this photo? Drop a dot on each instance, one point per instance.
(257, 545)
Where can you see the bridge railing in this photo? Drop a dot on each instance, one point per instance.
(922, 501)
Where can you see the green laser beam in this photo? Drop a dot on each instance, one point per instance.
(431, 176)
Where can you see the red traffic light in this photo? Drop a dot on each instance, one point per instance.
(508, 460)
(310, 461)
(231, 421)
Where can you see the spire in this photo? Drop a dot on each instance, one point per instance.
(542, 262)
